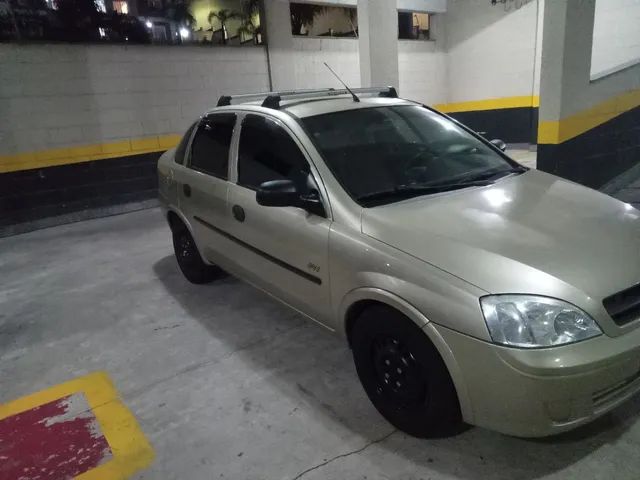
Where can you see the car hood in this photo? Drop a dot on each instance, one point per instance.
(528, 233)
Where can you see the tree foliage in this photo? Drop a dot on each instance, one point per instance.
(180, 12)
(222, 16)
(303, 14)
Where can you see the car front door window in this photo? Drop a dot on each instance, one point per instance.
(267, 152)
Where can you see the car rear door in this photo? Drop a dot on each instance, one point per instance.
(203, 184)
(283, 250)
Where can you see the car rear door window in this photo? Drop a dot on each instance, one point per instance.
(181, 149)
(210, 147)
(267, 152)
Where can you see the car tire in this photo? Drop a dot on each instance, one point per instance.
(403, 374)
(189, 260)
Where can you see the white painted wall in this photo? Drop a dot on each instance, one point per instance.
(567, 86)
(490, 49)
(423, 72)
(616, 36)
(423, 66)
(308, 55)
(73, 95)
(55, 95)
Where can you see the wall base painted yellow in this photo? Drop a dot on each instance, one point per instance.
(556, 132)
(86, 153)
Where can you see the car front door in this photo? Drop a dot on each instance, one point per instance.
(203, 185)
(283, 250)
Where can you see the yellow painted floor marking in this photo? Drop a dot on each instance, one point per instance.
(130, 448)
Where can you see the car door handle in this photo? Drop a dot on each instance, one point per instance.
(187, 190)
(238, 213)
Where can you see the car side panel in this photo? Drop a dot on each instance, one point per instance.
(167, 190)
(358, 261)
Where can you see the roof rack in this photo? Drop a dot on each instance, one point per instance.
(273, 99)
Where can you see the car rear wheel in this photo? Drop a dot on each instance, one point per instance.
(189, 260)
(403, 374)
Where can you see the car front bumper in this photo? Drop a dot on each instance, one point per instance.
(541, 392)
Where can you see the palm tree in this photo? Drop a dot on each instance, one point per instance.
(302, 14)
(249, 10)
(222, 16)
(180, 14)
(249, 29)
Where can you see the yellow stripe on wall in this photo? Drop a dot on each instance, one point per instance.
(490, 104)
(551, 132)
(85, 153)
(555, 132)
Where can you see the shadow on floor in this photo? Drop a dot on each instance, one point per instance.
(314, 366)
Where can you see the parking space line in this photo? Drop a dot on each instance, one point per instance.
(130, 450)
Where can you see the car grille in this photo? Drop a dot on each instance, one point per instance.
(624, 306)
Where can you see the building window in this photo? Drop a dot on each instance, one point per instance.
(121, 7)
(311, 20)
(267, 152)
(414, 25)
(168, 22)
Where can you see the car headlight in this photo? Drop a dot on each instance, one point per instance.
(530, 321)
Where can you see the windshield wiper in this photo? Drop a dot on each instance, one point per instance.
(408, 191)
(494, 174)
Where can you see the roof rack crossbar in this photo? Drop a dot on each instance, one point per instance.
(272, 99)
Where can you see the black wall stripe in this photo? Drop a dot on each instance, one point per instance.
(31, 195)
(265, 255)
(513, 125)
(598, 155)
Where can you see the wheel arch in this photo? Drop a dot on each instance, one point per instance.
(356, 301)
(174, 218)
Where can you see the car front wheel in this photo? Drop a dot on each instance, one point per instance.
(403, 374)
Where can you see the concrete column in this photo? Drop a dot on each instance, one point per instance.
(378, 42)
(566, 57)
(564, 79)
(279, 44)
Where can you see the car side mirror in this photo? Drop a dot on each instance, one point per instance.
(284, 193)
(278, 193)
(499, 144)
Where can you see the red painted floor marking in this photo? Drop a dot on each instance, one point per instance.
(57, 440)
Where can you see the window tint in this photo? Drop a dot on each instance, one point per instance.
(403, 146)
(182, 146)
(267, 152)
(210, 147)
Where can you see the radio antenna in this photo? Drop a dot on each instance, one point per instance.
(355, 97)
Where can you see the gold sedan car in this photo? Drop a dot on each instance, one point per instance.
(469, 288)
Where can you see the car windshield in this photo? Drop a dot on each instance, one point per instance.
(386, 154)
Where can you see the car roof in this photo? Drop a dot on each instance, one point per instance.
(318, 106)
(312, 107)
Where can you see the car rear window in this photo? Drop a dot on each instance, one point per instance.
(181, 149)
(211, 143)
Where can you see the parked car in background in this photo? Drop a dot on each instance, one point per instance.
(469, 287)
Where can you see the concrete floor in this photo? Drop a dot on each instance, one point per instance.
(227, 383)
